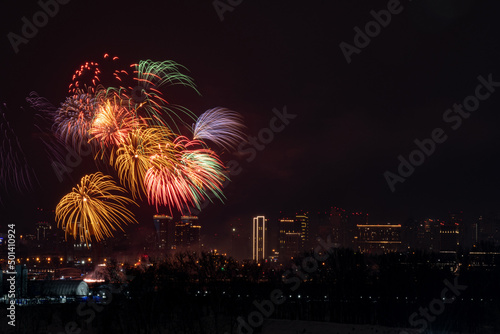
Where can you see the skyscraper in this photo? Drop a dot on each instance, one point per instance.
(187, 233)
(350, 229)
(464, 229)
(428, 235)
(450, 236)
(303, 221)
(379, 238)
(42, 231)
(165, 231)
(182, 235)
(290, 240)
(259, 229)
(338, 222)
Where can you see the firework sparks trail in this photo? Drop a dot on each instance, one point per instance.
(127, 118)
(45, 113)
(15, 173)
(221, 126)
(73, 120)
(133, 159)
(93, 209)
(185, 180)
(112, 124)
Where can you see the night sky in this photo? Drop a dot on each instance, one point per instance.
(352, 120)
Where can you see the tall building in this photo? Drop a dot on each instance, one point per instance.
(290, 238)
(450, 236)
(464, 229)
(409, 232)
(320, 226)
(350, 229)
(194, 237)
(477, 231)
(187, 233)
(428, 236)
(165, 231)
(42, 231)
(338, 220)
(487, 229)
(259, 231)
(303, 220)
(379, 238)
(182, 235)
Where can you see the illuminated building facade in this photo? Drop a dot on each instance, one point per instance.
(450, 236)
(303, 221)
(259, 231)
(344, 227)
(351, 230)
(290, 240)
(376, 239)
(338, 221)
(187, 233)
(465, 230)
(427, 235)
(42, 230)
(165, 232)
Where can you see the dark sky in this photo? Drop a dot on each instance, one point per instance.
(352, 120)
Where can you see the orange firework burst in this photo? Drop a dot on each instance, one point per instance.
(112, 124)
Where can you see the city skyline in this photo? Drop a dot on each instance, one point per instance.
(334, 145)
(170, 235)
(231, 166)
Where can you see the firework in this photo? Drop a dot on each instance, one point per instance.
(155, 74)
(185, 180)
(221, 126)
(93, 209)
(15, 172)
(112, 124)
(73, 119)
(92, 76)
(126, 116)
(42, 106)
(140, 92)
(151, 77)
(43, 120)
(133, 159)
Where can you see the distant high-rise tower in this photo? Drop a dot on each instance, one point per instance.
(290, 239)
(165, 230)
(303, 220)
(42, 230)
(450, 236)
(187, 233)
(194, 231)
(379, 238)
(350, 229)
(476, 231)
(338, 221)
(464, 229)
(259, 238)
(428, 235)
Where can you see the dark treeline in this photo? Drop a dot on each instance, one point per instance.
(206, 293)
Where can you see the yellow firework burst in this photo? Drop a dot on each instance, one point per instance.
(133, 159)
(93, 209)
